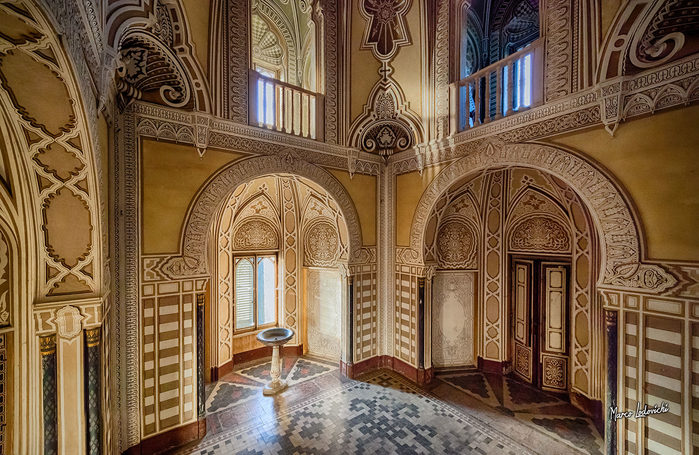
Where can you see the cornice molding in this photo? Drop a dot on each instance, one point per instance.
(607, 105)
(204, 130)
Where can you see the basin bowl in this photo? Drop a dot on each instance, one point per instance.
(275, 336)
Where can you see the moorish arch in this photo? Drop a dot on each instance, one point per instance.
(619, 231)
(217, 190)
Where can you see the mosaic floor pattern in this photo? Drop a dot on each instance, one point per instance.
(245, 384)
(383, 414)
(543, 411)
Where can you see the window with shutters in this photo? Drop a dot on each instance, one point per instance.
(255, 296)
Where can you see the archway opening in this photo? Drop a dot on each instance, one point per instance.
(514, 308)
(279, 245)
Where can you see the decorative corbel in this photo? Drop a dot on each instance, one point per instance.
(201, 131)
(611, 98)
(68, 322)
(352, 155)
(420, 153)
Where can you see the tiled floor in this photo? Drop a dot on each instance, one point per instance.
(322, 412)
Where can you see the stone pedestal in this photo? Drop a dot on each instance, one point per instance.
(276, 385)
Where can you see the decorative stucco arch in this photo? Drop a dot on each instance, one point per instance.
(217, 190)
(617, 226)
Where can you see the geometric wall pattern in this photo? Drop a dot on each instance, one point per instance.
(658, 362)
(365, 292)
(169, 365)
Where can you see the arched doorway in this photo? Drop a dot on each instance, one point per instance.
(281, 241)
(301, 230)
(604, 241)
(495, 237)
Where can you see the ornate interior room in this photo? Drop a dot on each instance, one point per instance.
(352, 226)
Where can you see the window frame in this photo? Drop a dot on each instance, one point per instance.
(256, 326)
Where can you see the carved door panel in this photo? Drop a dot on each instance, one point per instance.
(522, 327)
(554, 323)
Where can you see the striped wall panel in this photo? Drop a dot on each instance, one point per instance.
(188, 365)
(365, 312)
(695, 388)
(168, 360)
(629, 427)
(663, 348)
(169, 366)
(406, 302)
(148, 375)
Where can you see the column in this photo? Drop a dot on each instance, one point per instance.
(201, 394)
(93, 389)
(50, 406)
(71, 407)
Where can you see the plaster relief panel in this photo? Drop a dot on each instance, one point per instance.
(452, 319)
(323, 318)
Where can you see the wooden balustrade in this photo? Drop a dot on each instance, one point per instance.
(492, 92)
(284, 107)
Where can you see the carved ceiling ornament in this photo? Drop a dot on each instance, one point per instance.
(668, 28)
(160, 28)
(456, 245)
(148, 68)
(386, 30)
(255, 234)
(620, 238)
(648, 33)
(387, 125)
(321, 244)
(540, 233)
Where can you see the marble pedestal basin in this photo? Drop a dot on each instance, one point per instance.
(275, 337)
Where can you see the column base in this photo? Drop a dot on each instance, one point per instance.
(273, 389)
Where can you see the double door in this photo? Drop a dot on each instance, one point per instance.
(539, 324)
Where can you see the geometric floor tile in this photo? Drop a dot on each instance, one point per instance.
(245, 384)
(363, 417)
(543, 411)
(296, 369)
(226, 394)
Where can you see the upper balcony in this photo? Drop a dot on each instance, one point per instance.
(286, 108)
(508, 86)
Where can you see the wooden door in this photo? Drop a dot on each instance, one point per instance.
(539, 322)
(554, 326)
(522, 328)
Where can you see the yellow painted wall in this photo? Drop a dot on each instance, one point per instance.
(408, 61)
(197, 12)
(657, 160)
(363, 68)
(362, 190)
(171, 175)
(409, 189)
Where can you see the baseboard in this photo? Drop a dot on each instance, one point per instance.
(222, 370)
(420, 376)
(493, 366)
(169, 440)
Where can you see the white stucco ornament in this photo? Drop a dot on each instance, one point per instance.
(68, 322)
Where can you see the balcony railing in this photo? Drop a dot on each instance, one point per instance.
(510, 85)
(283, 107)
